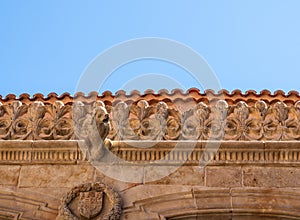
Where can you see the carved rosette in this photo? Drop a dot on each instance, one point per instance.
(94, 201)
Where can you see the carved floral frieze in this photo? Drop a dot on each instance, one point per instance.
(94, 122)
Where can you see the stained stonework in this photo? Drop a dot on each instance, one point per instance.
(227, 156)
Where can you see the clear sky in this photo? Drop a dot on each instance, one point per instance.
(45, 45)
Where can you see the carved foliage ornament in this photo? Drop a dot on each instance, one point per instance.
(141, 121)
(217, 122)
(145, 122)
(90, 201)
(35, 121)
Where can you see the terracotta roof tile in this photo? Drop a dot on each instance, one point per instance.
(250, 96)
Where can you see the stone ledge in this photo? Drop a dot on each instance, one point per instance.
(284, 153)
(209, 152)
(39, 152)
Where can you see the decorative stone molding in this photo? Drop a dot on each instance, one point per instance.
(202, 122)
(254, 171)
(202, 203)
(20, 203)
(90, 201)
(144, 121)
(229, 152)
(35, 121)
(40, 152)
(54, 130)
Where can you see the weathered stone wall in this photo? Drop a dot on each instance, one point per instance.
(31, 190)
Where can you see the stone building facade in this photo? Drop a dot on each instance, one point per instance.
(153, 156)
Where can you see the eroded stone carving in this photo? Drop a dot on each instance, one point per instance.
(92, 125)
(195, 122)
(144, 121)
(90, 201)
(35, 121)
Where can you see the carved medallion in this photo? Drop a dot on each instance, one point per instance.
(90, 204)
(90, 201)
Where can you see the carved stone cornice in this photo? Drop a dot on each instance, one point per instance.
(215, 153)
(40, 152)
(163, 153)
(250, 127)
(145, 121)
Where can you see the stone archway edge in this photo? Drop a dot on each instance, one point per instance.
(223, 202)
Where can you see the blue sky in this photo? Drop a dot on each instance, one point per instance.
(45, 46)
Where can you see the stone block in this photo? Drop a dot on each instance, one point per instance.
(121, 172)
(271, 177)
(55, 175)
(115, 184)
(224, 176)
(173, 175)
(9, 175)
